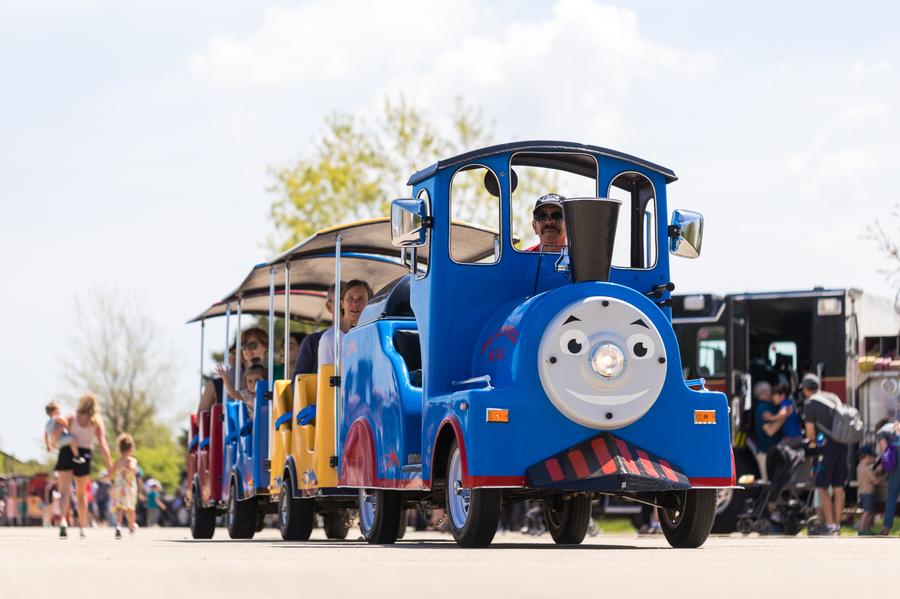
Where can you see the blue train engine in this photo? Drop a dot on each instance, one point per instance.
(545, 370)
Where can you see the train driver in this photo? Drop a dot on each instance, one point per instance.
(548, 224)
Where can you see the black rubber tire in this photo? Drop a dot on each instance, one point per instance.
(401, 530)
(296, 517)
(691, 528)
(240, 517)
(260, 521)
(386, 521)
(203, 519)
(483, 516)
(337, 524)
(568, 519)
(727, 518)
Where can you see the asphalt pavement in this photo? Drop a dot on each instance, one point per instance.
(164, 562)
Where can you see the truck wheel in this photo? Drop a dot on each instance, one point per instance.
(474, 513)
(295, 516)
(203, 519)
(337, 524)
(730, 502)
(687, 523)
(401, 530)
(379, 515)
(567, 519)
(240, 519)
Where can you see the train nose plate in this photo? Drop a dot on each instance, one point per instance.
(606, 463)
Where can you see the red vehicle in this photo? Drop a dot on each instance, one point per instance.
(849, 339)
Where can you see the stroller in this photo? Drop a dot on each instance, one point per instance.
(784, 504)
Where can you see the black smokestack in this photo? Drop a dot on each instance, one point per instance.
(591, 233)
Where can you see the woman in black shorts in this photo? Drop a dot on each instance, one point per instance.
(86, 426)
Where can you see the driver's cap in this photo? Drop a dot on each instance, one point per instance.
(551, 198)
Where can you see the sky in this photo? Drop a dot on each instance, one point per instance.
(137, 139)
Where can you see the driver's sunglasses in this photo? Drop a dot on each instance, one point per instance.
(252, 346)
(542, 216)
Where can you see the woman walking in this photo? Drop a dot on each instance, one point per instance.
(86, 426)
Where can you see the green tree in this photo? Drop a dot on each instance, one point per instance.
(355, 167)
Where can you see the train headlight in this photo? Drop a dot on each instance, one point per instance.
(608, 360)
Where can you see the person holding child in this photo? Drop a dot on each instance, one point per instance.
(87, 427)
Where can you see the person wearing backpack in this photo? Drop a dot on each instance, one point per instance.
(819, 416)
(888, 437)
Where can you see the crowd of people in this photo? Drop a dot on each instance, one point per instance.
(779, 427)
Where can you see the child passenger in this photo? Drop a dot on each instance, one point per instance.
(56, 432)
(867, 479)
(124, 487)
(253, 375)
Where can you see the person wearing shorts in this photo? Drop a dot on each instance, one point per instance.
(87, 427)
(833, 463)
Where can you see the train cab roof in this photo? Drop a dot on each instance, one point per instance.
(559, 155)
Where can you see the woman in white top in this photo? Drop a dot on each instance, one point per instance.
(86, 426)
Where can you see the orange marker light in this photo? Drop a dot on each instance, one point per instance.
(497, 415)
(704, 416)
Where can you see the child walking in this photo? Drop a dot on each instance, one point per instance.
(56, 433)
(124, 487)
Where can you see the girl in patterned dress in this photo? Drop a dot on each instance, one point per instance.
(124, 487)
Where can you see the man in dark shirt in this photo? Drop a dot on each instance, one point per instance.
(832, 470)
(308, 358)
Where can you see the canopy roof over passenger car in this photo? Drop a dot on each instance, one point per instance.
(304, 305)
(366, 254)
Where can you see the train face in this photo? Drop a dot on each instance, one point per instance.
(534, 370)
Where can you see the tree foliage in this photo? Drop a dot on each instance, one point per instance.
(356, 167)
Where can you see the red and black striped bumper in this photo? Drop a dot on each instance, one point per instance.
(606, 463)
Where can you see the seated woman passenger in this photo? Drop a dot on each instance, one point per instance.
(355, 296)
(247, 395)
(548, 223)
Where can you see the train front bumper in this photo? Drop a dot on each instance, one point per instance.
(606, 463)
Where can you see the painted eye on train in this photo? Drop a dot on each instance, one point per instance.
(641, 346)
(573, 342)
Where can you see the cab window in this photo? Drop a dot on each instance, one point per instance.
(535, 174)
(636, 243)
(711, 348)
(474, 200)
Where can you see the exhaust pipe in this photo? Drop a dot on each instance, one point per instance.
(591, 235)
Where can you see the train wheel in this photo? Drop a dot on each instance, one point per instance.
(240, 519)
(337, 524)
(474, 513)
(296, 517)
(688, 522)
(379, 515)
(568, 519)
(203, 519)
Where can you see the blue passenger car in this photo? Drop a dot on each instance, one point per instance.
(542, 372)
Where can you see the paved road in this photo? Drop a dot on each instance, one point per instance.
(164, 562)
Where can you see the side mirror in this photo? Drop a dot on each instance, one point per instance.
(408, 223)
(686, 234)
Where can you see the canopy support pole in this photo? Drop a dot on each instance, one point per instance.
(237, 348)
(288, 368)
(202, 342)
(226, 428)
(337, 345)
(271, 348)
